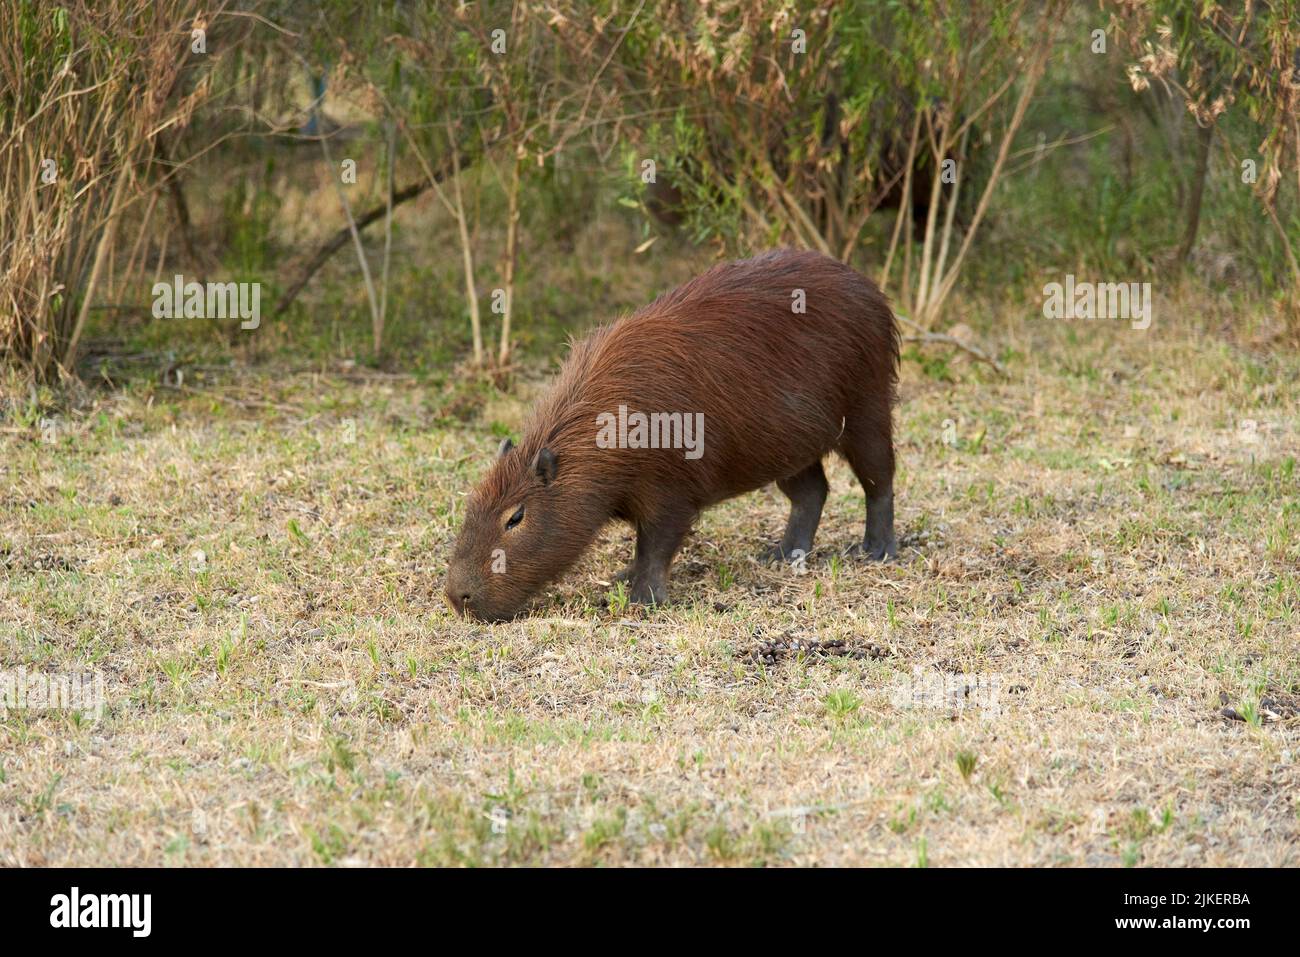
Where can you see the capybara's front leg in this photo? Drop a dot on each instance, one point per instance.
(657, 541)
(879, 544)
(806, 490)
(868, 446)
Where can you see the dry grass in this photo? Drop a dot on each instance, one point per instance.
(1103, 536)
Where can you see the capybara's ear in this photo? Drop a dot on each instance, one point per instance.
(506, 446)
(545, 465)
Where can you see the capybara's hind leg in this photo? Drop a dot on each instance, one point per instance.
(869, 449)
(806, 490)
(657, 541)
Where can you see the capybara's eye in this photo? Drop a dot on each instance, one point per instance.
(515, 519)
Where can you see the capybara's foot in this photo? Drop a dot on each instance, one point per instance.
(775, 554)
(881, 550)
(646, 591)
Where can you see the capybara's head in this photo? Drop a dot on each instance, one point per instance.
(524, 525)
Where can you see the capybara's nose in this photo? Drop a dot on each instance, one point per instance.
(459, 599)
(459, 589)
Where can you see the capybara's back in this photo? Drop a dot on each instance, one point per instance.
(746, 375)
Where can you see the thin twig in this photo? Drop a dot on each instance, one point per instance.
(924, 335)
(352, 228)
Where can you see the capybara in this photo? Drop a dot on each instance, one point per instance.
(746, 375)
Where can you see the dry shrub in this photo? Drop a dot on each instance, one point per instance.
(86, 91)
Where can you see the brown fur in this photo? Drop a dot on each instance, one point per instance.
(778, 390)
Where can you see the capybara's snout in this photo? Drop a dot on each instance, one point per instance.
(461, 590)
(472, 596)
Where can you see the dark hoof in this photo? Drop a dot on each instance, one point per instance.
(875, 551)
